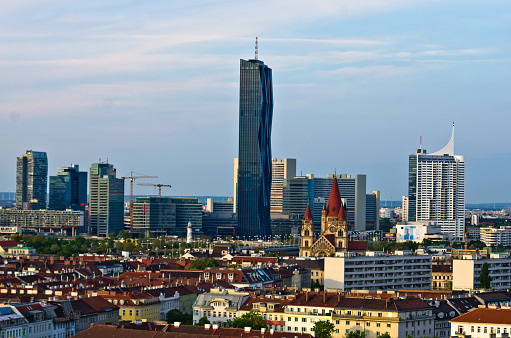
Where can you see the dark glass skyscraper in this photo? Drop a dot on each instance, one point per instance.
(68, 190)
(254, 159)
(31, 180)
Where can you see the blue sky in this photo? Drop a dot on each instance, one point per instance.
(153, 87)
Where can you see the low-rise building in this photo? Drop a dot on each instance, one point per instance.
(375, 316)
(64, 222)
(482, 322)
(307, 308)
(21, 251)
(442, 276)
(39, 325)
(218, 305)
(377, 271)
(270, 308)
(168, 300)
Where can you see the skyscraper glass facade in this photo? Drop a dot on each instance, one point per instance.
(254, 166)
(68, 190)
(31, 180)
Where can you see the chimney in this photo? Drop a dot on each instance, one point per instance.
(272, 331)
(207, 326)
(263, 330)
(248, 328)
(177, 324)
(306, 296)
(324, 296)
(215, 326)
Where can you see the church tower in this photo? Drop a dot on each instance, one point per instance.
(307, 234)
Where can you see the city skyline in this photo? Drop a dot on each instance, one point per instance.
(134, 83)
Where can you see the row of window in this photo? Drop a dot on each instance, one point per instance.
(144, 312)
(485, 329)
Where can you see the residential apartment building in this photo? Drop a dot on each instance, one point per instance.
(377, 315)
(441, 277)
(377, 271)
(466, 271)
(496, 236)
(483, 323)
(13, 323)
(271, 308)
(218, 305)
(66, 222)
(307, 308)
(436, 189)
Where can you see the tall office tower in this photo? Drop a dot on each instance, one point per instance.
(253, 186)
(68, 190)
(353, 191)
(31, 180)
(106, 200)
(405, 209)
(436, 189)
(280, 171)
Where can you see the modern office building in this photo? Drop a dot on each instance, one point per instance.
(106, 200)
(362, 209)
(436, 189)
(281, 170)
(31, 180)
(495, 236)
(167, 215)
(254, 165)
(68, 190)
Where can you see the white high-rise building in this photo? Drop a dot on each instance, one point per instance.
(281, 170)
(436, 189)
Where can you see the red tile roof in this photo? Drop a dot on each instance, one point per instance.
(485, 316)
(308, 214)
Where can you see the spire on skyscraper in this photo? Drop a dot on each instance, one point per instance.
(449, 148)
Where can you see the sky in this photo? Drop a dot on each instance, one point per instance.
(153, 86)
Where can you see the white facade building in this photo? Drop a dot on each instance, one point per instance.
(465, 272)
(495, 236)
(417, 231)
(436, 189)
(218, 305)
(376, 271)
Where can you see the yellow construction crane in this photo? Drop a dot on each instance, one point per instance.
(132, 179)
(156, 185)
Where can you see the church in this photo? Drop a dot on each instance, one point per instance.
(334, 229)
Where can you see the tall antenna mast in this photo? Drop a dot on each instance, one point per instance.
(420, 144)
(256, 50)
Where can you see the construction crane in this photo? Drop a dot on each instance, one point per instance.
(156, 185)
(132, 179)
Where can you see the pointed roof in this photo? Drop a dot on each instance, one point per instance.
(342, 213)
(334, 200)
(449, 148)
(308, 214)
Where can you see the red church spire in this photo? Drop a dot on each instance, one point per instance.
(342, 213)
(334, 200)
(308, 214)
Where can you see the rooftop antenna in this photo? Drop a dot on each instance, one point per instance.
(256, 50)
(420, 144)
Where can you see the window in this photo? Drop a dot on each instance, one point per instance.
(347, 322)
(296, 319)
(377, 333)
(337, 331)
(471, 329)
(131, 312)
(337, 322)
(388, 324)
(378, 325)
(304, 320)
(485, 329)
(368, 323)
(379, 314)
(478, 329)
(137, 313)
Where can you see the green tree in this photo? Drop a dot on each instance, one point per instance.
(54, 248)
(202, 321)
(203, 263)
(384, 335)
(315, 285)
(249, 319)
(112, 235)
(124, 234)
(484, 277)
(355, 334)
(177, 316)
(323, 329)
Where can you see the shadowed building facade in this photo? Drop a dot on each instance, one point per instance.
(254, 163)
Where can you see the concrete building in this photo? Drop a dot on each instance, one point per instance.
(31, 180)
(442, 277)
(281, 170)
(404, 217)
(254, 165)
(218, 218)
(466, 271)
(436, 189)
(377, 271)
(53, 221)
(495, 236)
(106, 200)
